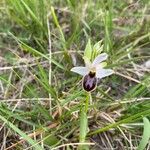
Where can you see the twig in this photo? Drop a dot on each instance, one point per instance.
(71, 144)
(20, 66)
(50, 55)
(127, 77)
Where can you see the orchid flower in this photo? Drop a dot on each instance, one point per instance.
(92, 71)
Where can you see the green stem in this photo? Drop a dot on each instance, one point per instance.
(87, 102)
(84, 122)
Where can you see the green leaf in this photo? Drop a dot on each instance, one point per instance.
(146, 134)
(50, 140)
(88, 50)
(98, 47)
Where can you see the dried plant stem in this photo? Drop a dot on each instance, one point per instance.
(50, 66)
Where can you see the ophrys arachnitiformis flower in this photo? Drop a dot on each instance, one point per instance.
(92, 71)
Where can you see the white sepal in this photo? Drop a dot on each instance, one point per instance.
(101, 73)
(99, 59)
(80, 70)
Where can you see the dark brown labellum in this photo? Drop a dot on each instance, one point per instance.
(89, 82)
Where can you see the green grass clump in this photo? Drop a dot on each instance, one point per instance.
(42, 103)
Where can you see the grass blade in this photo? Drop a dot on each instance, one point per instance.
(146, 134)
(22, 134)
